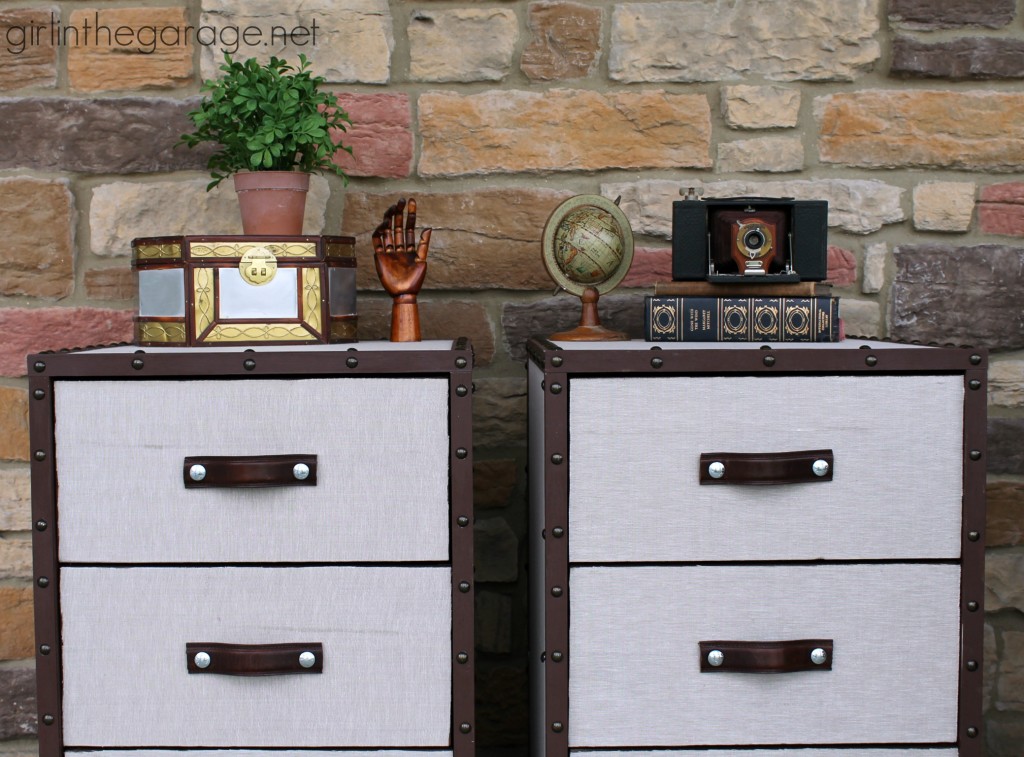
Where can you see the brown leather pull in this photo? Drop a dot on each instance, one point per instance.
(254, 659)
(240, 471)
(803, 466)
(765, 656)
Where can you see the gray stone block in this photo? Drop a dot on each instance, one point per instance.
(963, 58)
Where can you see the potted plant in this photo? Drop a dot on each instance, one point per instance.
(273, 126)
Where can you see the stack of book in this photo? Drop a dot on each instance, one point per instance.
(701, 311)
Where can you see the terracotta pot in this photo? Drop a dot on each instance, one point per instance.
(272, 202)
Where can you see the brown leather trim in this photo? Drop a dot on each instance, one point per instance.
(242, 471)
(253, 659)
(761, 468)
(765, 656)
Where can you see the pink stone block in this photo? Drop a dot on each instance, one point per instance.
(1009, 192)
(28, 330)
(1006, 219)
(380, 135)
(842, 267)
(650, 265)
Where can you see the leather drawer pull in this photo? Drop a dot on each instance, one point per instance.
(799, 467)
(765, 656)
(240, 471)
(254, 659)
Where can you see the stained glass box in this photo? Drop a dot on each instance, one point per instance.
(209, 290)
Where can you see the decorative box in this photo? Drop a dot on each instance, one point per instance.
(743, 551)
(206, 290)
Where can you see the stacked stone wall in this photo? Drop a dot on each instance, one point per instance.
(905, 115)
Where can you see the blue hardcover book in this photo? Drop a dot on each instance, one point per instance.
(741, 319)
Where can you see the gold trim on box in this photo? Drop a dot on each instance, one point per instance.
(311, 310)
(202, 289)
(340, 250)
(160, 331)
(231, 250)
(344, 329)
(259, 332)
(158, 251)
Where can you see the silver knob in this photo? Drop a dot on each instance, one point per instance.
(819, 656)
(716, 657)
(820, 467)
(301, 471)
(716, 470)
(307, 659)
(202, 660)
(197, 472)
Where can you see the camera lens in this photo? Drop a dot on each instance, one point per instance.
(754, 239)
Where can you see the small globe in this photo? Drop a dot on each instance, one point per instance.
(587, 243)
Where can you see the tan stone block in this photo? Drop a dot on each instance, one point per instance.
(120, 211)
(873, 278)
(765, 154)
(1006, 383)
(484, 239)
(17, 642)
(439, 319)
(13, 423)
(1003, 585)
(944, 205)
(861, 317)
(15, 557)
(15, 500)
(512, 131)
(760, 107)
(494, 481)
(1004, 514)
(31, 59)
(1010, 689)
(462, 44)
(854, 205)
(36, 227)
(348, 42)
(814, 40)
(974, 130)
(565, 43)
(110, 284)
(128, 48)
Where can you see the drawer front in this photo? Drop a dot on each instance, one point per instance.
(381, 495)
(385, 631)
(861, 752)
(635, 445)
(262, 753)
(634, 662)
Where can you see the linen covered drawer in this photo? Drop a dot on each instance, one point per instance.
(123, 497)
(894, 488)
(385, 635)
(891, 673)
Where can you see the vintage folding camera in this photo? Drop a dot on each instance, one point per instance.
(749, 239)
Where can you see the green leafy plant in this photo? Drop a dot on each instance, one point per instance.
(268, 117)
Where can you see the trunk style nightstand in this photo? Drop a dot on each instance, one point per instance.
(254, 549)
(756, 551)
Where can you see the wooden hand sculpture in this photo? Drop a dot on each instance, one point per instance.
(401, 265)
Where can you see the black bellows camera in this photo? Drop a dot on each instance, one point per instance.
(748, 239)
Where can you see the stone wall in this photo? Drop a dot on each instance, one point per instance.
(904, 115)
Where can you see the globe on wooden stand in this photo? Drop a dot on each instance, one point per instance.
(588, 248)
